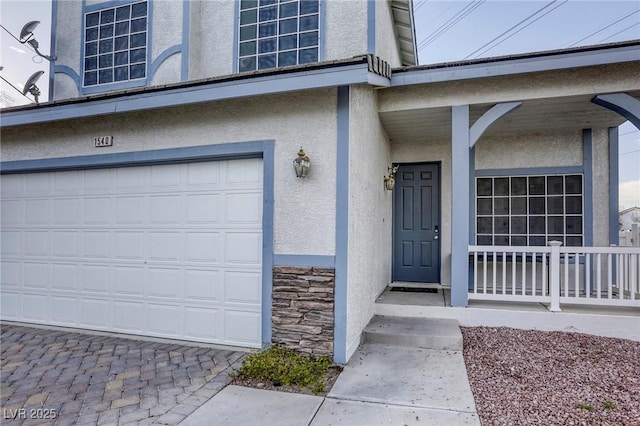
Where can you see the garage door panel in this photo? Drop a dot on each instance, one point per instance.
(203, 324)
(243, 209)
(203, 209)
(129, 316)
(10, 304)
(129, 210)
(96, 244)
(95, 312)
(66, 277)
(165, 210)
(12, 212)
(165, 246)
(242, 327)
(36, 184)
(242, 287)
(36, 212)
(11, 243)
(36, 243)
(10, 274)
(164, 283)
(172, 250)
(129, 245)
(127, 280)
(97, 211)
(65, 211)
(34, 307)
(67, 183)
(96, 278)
(63, 310)
(243, 248)
(65, 244)
(203, 247)
(203, 175)
(164, 320)
(36, 275)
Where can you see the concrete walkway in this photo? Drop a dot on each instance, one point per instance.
(381, 385)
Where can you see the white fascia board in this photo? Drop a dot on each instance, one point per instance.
(516, 66)
(215, 91)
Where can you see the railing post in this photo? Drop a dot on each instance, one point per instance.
(554, 275)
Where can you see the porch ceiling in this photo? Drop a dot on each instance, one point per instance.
(534, 116)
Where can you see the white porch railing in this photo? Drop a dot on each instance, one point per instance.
(556, 275)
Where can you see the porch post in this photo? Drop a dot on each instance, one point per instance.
(460, 205)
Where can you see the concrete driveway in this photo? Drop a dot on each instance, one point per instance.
(63, 378)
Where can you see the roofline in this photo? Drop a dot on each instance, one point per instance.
(628, 51)
(358, 70)
(629, 210)
(407, 6)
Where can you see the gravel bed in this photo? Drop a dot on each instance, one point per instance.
(528, 377)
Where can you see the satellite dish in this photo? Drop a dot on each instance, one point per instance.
(30, 85)
(27, 30)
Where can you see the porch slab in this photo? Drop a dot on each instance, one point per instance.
(409, 377)
(420, 299)
(340, 412)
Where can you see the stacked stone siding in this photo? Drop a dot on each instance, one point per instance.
(302, 310)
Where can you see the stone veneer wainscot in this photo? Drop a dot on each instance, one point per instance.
(303, 302)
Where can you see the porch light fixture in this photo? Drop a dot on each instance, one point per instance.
(302, 164)
(390, 179)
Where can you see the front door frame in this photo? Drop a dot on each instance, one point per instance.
(438, 165)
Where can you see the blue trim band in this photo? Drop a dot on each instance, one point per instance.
(614, 234)
(472, 196)
(138, 158)
(587, 164)
(622, 103)
(217, 90)
(236, 36)
(63, 69)
(531, 171)
(460, 177)
(54, 32)
(342, 228)
(322, 46)
(186, 40)
(371, 26)
(175, 49)
(268, 194)
(309, 260)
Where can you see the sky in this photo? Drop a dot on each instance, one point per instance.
(446, 31)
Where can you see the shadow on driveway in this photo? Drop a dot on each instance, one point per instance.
(58, 377)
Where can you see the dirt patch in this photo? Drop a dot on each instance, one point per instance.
(330, 378)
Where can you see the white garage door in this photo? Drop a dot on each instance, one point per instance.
(166, 250)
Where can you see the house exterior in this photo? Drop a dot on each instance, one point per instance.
(628, 217)
(154, 194)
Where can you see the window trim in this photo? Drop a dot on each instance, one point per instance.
(107, 87)
(547, 234)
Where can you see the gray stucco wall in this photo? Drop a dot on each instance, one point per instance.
(301, 206)
(369, 213)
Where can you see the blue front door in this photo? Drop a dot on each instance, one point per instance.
(416, 223)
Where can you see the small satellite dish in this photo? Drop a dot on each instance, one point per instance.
(27, 30)
(30, 85)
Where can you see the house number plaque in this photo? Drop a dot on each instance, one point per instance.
(101, 141)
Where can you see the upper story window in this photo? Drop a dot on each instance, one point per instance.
(529, 210)
(115, 44)
(277, 33)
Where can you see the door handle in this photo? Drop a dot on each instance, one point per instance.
(436, 229)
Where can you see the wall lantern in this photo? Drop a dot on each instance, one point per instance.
(390, 180)
(302, 164)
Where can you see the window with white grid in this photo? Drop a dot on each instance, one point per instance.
(115, 44)
(529, 210)
(277, 33)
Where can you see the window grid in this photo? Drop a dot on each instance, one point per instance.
(277, 33)
(530, 210)
(115, 46)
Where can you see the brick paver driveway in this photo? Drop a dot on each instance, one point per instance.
(56, 377)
